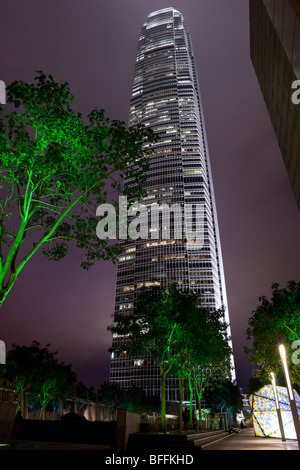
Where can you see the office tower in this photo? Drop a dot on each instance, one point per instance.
(275, 54)
(166, 97)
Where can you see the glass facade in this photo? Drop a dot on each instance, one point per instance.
(166, 97)
(275, 54)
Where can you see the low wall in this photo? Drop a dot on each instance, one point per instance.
(7, 416)
(77, 431)
(127, 423)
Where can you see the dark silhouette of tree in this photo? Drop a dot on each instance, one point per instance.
(36, 370)
(225, 397)
(111, 394)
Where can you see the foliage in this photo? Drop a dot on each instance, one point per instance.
(153, 329)
(226, 396)
(36, 370)
(254, 384)
(111, 394)
(55, 170)
(180, 336)
(207, 349)
(274, 318)
(133, 399)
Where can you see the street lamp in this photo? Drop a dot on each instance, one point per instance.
(289, 387)
(278, 407)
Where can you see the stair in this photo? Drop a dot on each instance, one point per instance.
(212, 438)
(184, 441)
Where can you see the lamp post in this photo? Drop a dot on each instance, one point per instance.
(278, 407)
(289, 387)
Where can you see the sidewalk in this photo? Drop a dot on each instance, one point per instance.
(243, 440)
(246, 440)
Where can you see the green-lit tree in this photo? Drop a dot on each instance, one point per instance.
(55, 170)
(205, 349)
(277, 317)
(20, 369)
(36, 370)
(153, 329)
(181, 336)
(56, 381)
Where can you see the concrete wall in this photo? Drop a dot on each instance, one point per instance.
(7, 416)
(127, 423)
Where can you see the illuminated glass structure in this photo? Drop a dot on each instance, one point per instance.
(265, 419)
(166, 97)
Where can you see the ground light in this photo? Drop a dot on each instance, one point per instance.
(278, 407)
(289, 387)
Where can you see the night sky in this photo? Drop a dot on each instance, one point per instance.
(92, 45)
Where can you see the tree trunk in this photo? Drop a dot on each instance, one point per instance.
(163, 402)
(180, 381)
(191, 401)
(200, 410)
(42, 412)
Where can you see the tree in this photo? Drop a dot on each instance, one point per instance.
(279, 316)
(153, 329)
(253, 385)
(135, 400)
(206, 349)
(21, 368)
(37, 371)
(226, 396)
(181, 336)
(55, 171)
(56, 381)
(111, 394)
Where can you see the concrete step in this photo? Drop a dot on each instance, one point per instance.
(201, 439)
(215, 439)
(155, 441)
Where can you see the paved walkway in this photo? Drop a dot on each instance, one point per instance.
(246, 440)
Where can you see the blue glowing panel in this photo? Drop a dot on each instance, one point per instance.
(265, 419)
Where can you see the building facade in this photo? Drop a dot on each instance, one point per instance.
(275, 54)
(166, 97)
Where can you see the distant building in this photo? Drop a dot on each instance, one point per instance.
(275, 53)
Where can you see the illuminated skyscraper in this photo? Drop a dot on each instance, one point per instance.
(166, 97)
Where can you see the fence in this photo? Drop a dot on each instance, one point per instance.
(214, 421)
(92, 410)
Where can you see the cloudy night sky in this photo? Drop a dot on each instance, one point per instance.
(91, 44)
